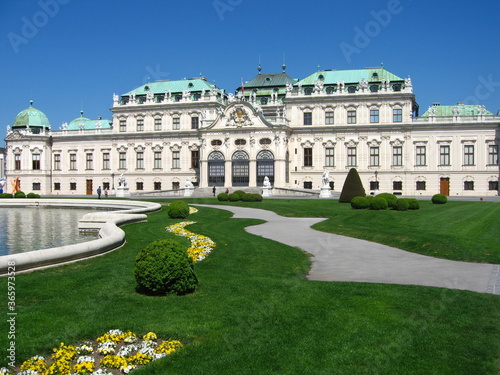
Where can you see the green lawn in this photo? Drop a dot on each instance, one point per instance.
(254, 313)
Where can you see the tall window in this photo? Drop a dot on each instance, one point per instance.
(105, 161)
(374, 116)
(329, 119)
(397, 115)
(57, 162)
(89, 161)
(468, 155)
(308, 157)
(421, 156)
(36, 161)
(157, 160)
(308, 118)
(158, 123)
(17, 162)
(195, 122)
(374, 157)
(444, 155)
(329, 157)
(351, 157)
(351, 117)
(157, 185)
(195, 157)
(122, 160)
(176, 159)
(140, 125)
(140, 160)
(72, 161)
(493, 155)
(72, 186)
(57, 186)
(397, 156)
(123, 125)
(139, 185)
(176, 123)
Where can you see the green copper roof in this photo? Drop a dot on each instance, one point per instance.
(160, 87)
(85, 123)
(350, 76)
(270, 80)
(31, 117)
(459, 109)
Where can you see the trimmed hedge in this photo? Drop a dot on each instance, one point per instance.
(233, 197)
(378, 203)
(390, 198)
(178, 210)
(360, 203)
(413, 204)
(439, 199)
(6, 195)
(164, 267)
(241, 193)
(402, 205)
(19, 194)
(258, 197)
(33, 195)
(223, 197)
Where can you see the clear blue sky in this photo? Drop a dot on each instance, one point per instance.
(72, 54)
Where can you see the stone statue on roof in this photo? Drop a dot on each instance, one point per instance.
(363, 84)
(289, 87)
(150, 96)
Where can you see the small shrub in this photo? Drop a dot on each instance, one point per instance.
(390, 198)
(241, 193)
(164, 267)
(19, 194)
(360, 203)
(222, 197)
(413, 204)
(178, 210)
(248, 198)
(402, 205)
(439, 199)
(33, 195)
(233, 197)
(6, 195)
(378, 203)
(258, 197)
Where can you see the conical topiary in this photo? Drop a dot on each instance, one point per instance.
(353, 187)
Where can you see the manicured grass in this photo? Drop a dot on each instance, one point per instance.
(255, 313)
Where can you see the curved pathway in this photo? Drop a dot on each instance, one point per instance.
(340, 258)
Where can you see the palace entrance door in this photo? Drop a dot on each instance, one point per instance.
(444, 186)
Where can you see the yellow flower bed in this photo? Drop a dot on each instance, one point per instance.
(200, 247)
(124, 351)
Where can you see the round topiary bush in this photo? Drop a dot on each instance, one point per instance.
(163, 267)
(413, 204)
(402, 205)
(222, 197)
(258, 197)
(248, 198)
(360, 203)
(439, 199)
(33, 195)
(390, 198)
(19, 194)
(233, 197)
(178, 210)
(240, 193)
(6, 195)
(378, 203)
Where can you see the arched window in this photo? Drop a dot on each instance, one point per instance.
(240, 169)
(265, 167)
(216, 169)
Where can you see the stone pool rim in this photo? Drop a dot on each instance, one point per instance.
(111, 237)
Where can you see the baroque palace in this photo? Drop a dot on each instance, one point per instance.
(166, 133)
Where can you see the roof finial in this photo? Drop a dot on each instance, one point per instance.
(31, 103)
(319, 68)
(81, 113)
(382, 65)
(259, 68)
(283, 66)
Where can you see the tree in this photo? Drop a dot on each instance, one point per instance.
(353, 187)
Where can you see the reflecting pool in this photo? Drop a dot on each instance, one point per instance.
(34, 228)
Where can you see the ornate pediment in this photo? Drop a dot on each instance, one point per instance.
(239, 117)
(14, 135)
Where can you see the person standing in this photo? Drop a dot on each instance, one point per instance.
(99, 191)
(214, 191)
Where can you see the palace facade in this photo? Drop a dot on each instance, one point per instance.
(165, 133)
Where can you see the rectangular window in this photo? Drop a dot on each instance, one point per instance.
(105, 186)
(57, 162)
(468, 155)
(176, 159)
(157, 185)
(329, 118)
(468, 185)
(351, 157)
(374, 117)
(195, 157)
(195, 122)
(397, 115)
(420, 185)
(105, 161)
(308, 157)
(397, 156)
(351, 117)
(72, 186)
(57, 186)
(374, 157)
(72, 162)
(492, 185)
(397, 185)
(139, 185)
(140, 160)
(36, 186)
(373, 185)
(176, 123)
(444, 155)
(329, 157)
(157, 161)
(122, 160)
(123, 125)
(17, 162)
(176, 185)
(36, 162)
(308, 118)
(421, 156)
(140, 125)
(308, 185)
(158, 123)
(89, 161)
(493, 155)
